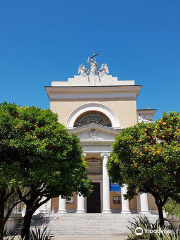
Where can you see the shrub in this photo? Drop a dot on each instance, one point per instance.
(172, 207)
(165, 233)
(38, 234)
(35, 234)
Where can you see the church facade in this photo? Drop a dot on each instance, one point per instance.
(97, 106)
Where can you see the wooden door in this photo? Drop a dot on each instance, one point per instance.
(94, 201)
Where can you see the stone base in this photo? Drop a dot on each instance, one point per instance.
(125, 212)
(62, 211)
(81, 211)
(43, 211)
(106, 211)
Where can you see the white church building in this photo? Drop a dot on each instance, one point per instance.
(97, 106)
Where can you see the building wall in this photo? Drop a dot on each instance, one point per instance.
(72, 207)
(133, 204)
(55, 204)
(126, 113)
(114, 207)
(151, 202)
(124, 110)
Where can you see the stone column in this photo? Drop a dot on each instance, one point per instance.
(144, 203)
(80, 204)
(49, 205)
(125, 203)
(81, 200)
(106, 190)
(43, 208)
(62, 205)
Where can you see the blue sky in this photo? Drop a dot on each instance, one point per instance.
(41, 41)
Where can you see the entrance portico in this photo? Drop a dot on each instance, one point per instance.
(101, 199)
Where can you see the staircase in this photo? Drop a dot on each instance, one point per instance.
(91, 224)
(96, 224)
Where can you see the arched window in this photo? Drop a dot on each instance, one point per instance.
(93, 118)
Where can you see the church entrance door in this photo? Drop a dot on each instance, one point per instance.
(93, 201)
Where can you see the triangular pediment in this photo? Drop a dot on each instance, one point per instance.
(94, 133)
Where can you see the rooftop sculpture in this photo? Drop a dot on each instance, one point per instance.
(92, 71)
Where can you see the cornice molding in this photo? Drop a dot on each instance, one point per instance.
(69, 93)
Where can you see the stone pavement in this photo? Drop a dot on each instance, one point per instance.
(90, 237)
(87, 237)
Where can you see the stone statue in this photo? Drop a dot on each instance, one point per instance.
(93, 66)
(141, 119)
(82, 70)
(103, 70)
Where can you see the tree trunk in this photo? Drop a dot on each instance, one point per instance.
(5, 210)
(31, 206)
(161, 218)
(2, 222)
(1, 229)
(25, 232)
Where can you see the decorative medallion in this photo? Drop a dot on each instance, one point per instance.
(93, 134)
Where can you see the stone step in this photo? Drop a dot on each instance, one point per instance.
(86, 224)
(91, 224)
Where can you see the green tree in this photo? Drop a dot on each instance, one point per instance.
(147, 158)
(50, 161)
(10, 176)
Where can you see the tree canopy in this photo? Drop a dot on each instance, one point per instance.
(147, 158)
(10, 169)
(39, 158)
